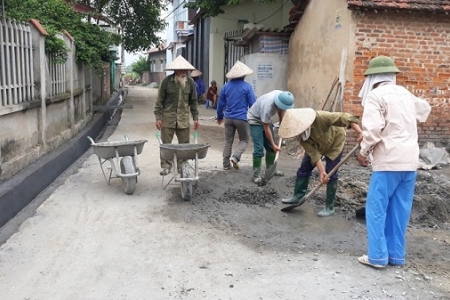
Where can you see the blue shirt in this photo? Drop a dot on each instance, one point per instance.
(199, 86)
(236, 97)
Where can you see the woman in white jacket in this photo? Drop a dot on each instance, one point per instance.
(390, 142)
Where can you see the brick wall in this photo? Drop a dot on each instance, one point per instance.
(419, 45)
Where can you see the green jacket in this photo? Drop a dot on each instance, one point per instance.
(174, 103)
(327, 134)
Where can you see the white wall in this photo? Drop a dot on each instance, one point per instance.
(269, 72)
(271, 15)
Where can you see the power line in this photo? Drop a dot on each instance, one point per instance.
(174, 10)
(274, 12)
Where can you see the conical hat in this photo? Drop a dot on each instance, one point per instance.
(296, 121)
(196, 73)
(239, 70)
(180, 63)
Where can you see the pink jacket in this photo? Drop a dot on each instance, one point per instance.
(389, 125)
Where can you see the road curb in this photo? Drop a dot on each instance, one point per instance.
(18, 191)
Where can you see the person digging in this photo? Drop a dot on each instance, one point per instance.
(321, 133)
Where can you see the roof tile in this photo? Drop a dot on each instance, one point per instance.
(436, 6)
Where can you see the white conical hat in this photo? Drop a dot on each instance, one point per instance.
(239, 70)
(196, 73)
(296, 121)
(180, 63)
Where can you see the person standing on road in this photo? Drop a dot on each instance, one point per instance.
(199, 86)
(235, 99)
(321, 133)
(176, 98)
(211, 95)
(390, 141)
(261, 128)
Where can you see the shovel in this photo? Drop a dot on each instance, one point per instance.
(303, 200)
(270, 171)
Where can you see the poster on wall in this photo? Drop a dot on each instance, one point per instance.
(265, 70)
(254, 85)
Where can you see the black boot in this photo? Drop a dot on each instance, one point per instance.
(301, 185)
(328, 210)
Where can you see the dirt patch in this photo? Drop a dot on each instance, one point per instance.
(231, 202)
(252, 195)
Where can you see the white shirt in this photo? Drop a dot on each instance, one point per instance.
(389, 125)
(264, 109)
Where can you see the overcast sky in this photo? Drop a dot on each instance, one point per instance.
(132, 57)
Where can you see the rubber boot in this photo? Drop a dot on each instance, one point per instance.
(270, 158)
(328, 210)
(257, 170)
(301, 186)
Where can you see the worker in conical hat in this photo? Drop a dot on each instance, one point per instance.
(199, 86)
(236, 97)
(177, 97)
(321, 133)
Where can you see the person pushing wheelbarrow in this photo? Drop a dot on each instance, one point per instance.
(321, 133)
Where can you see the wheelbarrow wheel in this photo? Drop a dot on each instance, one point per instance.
(186, 186)
(127, 167)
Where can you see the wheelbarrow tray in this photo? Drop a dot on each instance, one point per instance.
(183, 151)
(107, 150)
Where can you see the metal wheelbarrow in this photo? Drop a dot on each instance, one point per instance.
(122, 157)
(186, 174)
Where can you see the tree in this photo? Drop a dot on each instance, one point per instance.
(139, 21)
(92, 44)
(211, 8)
(140, 66)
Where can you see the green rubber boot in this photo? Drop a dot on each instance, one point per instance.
(328, 210)
(270, 158)
(257, 170)
(301, 185)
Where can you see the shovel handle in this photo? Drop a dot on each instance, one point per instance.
(279, 146)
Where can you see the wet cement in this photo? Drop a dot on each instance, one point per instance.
(230, 201)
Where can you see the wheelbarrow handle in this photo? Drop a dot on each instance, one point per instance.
(90, 139)
(158, 136)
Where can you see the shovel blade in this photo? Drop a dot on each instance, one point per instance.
(289, 208)
(269, 172)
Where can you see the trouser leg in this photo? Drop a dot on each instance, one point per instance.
(183, 136)
(243, 130)
(397, 217)
(257, 133)
(230, 130)
(166, 138)
(381, 186)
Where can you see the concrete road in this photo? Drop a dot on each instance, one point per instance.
(89, 240)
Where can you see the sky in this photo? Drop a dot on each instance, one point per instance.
(132, 57)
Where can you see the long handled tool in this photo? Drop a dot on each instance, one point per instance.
(271, 170)
(303, 200)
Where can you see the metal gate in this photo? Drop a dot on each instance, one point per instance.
(232, 52)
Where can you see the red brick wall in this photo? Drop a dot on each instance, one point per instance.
(420, 46)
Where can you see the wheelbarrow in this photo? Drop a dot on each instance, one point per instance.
(187, 173)
(122, 156)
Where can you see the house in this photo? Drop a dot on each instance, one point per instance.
(157, 62)
(252, 32)
(178, 28)
(339, 38)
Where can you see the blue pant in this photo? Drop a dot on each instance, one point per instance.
(260, 141)
(388, 208)
(306, 166)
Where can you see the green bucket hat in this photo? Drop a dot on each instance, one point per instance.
(381, 64)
